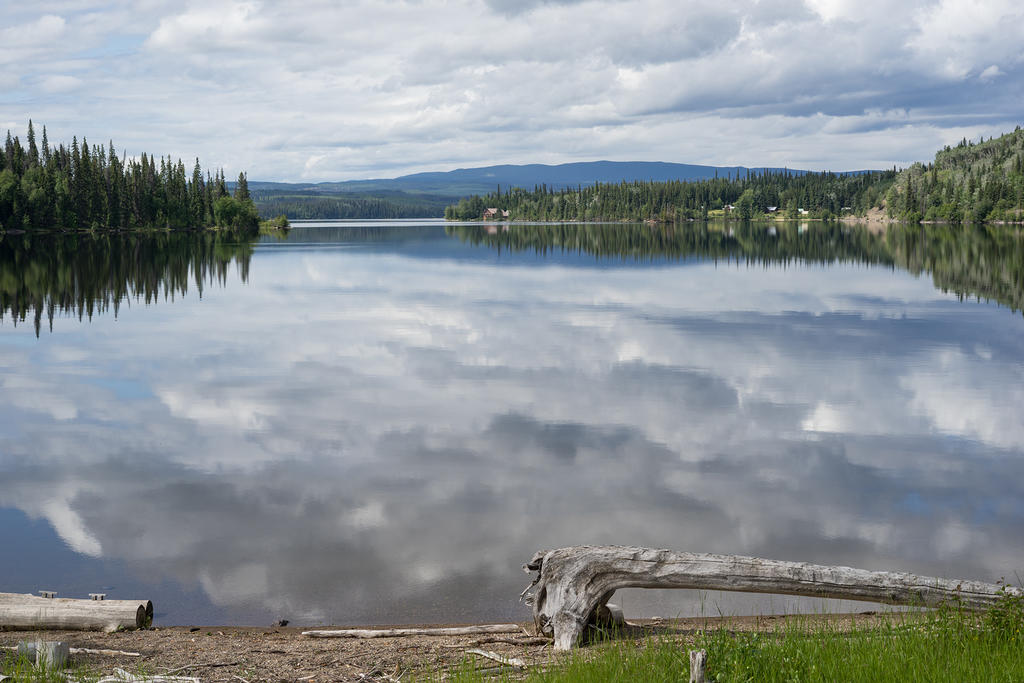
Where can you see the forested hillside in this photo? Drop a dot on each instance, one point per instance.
(300, 205)
(750, 194)
(972, 182)
(90, 187)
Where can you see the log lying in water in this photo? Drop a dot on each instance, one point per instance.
(573, 583)
(23, 612)
(398, 632)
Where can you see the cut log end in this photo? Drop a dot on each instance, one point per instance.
(144, 615)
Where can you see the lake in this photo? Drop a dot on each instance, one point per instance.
(380, 422)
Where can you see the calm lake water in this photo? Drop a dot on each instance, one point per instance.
(381, 422)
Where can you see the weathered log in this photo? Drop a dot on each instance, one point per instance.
(398, 632)
(573, 583)
(22, 612)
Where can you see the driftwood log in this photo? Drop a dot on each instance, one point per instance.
(573, 584)
(23, 612)
(399, 632)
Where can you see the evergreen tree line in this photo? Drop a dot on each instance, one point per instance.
(318, 207)
(82, 274)
(751, 194)
(85, 187)
(973, 182)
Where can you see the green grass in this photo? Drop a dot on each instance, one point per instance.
(946, 645)
(22, 670)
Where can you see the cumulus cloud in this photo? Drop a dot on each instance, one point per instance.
(33, 35)
(327, 91)
(963, 37)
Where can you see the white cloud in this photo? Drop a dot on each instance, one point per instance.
(325, 91)
(212, 26)
(41, 33)
(962, 36)
(59, 83)
(991, 72)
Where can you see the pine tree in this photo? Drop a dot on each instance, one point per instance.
(242, 188)
(46, 149)
(196, 196)
(33, 151)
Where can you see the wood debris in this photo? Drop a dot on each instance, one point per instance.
(501, 659)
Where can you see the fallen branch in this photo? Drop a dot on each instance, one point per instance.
(208, 665)
(122, 676)
(574, 583)
(532, 640)
(501, 659)
(106, 653)
(398, 632)
(380, 676)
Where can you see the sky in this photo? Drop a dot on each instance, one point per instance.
(317, 90)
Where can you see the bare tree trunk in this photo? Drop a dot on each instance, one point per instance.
(573, 583)
(23, 612)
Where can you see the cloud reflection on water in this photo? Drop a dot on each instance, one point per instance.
(364, 437)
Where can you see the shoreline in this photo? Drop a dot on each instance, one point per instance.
(227, 653)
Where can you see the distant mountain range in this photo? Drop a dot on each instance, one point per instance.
(463, 182)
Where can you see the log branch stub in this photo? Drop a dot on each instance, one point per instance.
(574, 583)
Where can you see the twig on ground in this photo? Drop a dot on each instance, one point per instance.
(122, 676)
(501, 659)
(210, 665)
(532, 640)
(111, 653)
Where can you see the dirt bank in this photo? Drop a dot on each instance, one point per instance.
(223, 654)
